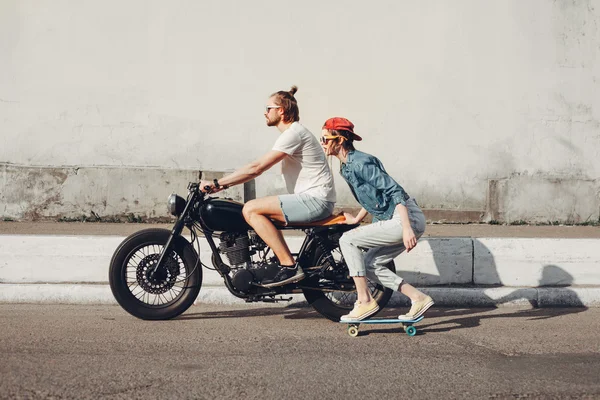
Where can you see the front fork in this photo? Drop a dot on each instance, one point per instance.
(177, 229)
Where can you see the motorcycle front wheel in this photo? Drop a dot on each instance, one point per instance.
(333, 305)
(149, 294)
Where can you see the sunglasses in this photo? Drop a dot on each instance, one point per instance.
(268, 108)
(324, 139)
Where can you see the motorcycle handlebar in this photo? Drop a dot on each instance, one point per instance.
(194, 186)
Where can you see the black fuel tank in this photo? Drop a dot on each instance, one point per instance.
(222, 215)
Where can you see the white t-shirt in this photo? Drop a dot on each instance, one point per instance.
(305, 169)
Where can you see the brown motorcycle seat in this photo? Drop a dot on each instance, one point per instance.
(332, 220)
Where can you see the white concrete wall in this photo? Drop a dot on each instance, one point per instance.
(536, 262)
(449, 94)
(514, 262)
(108, 193)
(455, 271)
(85, 259)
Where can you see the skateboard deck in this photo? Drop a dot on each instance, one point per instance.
(407, 324)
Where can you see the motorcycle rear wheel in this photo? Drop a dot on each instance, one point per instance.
(165, 294)
(333, 305)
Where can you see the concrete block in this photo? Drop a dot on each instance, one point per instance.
(101, 294)
(536, 262)
(56, 294)
(53, 259)
(433, 262)
(543, 198)
(569, 297)
(475, 297)
(61, 259)
(437, 261)
(31, 193)
(86, 259)
(508, 296)
(77, 259)
(443, 296)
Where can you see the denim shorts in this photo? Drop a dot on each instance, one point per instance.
(304, 208)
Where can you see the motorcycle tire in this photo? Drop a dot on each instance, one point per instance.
(325, 306)
(128, 269)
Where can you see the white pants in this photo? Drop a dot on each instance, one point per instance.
(382, 242)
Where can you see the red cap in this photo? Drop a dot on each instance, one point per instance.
(341, 124)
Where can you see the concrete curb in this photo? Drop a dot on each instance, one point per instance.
(444, 296)
(540, 272)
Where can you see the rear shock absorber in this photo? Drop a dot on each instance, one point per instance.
(328, 256)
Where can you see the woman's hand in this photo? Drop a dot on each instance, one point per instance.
(351, 219)
(409, 238)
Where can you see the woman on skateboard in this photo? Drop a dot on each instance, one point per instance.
(397, 222)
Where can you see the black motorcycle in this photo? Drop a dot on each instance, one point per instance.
(156, 274)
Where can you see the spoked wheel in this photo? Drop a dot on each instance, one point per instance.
(333, 305)
(150, 293)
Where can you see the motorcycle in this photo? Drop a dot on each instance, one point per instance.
(156, 274)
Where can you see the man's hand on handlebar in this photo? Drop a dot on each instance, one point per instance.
(209, 187)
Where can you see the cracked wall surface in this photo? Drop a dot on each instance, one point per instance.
(37, 193)
(542, 199)
(455, 98)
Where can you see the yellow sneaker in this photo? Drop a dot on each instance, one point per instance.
(361, 311)
(418, 308)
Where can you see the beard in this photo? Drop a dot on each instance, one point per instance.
(273, 121)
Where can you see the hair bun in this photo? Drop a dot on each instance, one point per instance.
(293, 90)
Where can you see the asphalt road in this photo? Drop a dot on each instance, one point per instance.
(279, 352)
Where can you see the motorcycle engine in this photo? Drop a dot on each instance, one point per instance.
(238, 249)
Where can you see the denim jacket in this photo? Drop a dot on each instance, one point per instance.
(371, 185)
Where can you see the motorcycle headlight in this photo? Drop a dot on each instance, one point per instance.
(175, 204)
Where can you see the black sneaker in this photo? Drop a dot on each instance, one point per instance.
(265, 272)
(285, 275)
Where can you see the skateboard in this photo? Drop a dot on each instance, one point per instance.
(406, 323)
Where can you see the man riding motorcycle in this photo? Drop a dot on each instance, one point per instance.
(308, 179)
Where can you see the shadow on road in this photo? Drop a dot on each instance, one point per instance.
(465, 318)
(453, 319)
(552, 276)
(289, 312)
